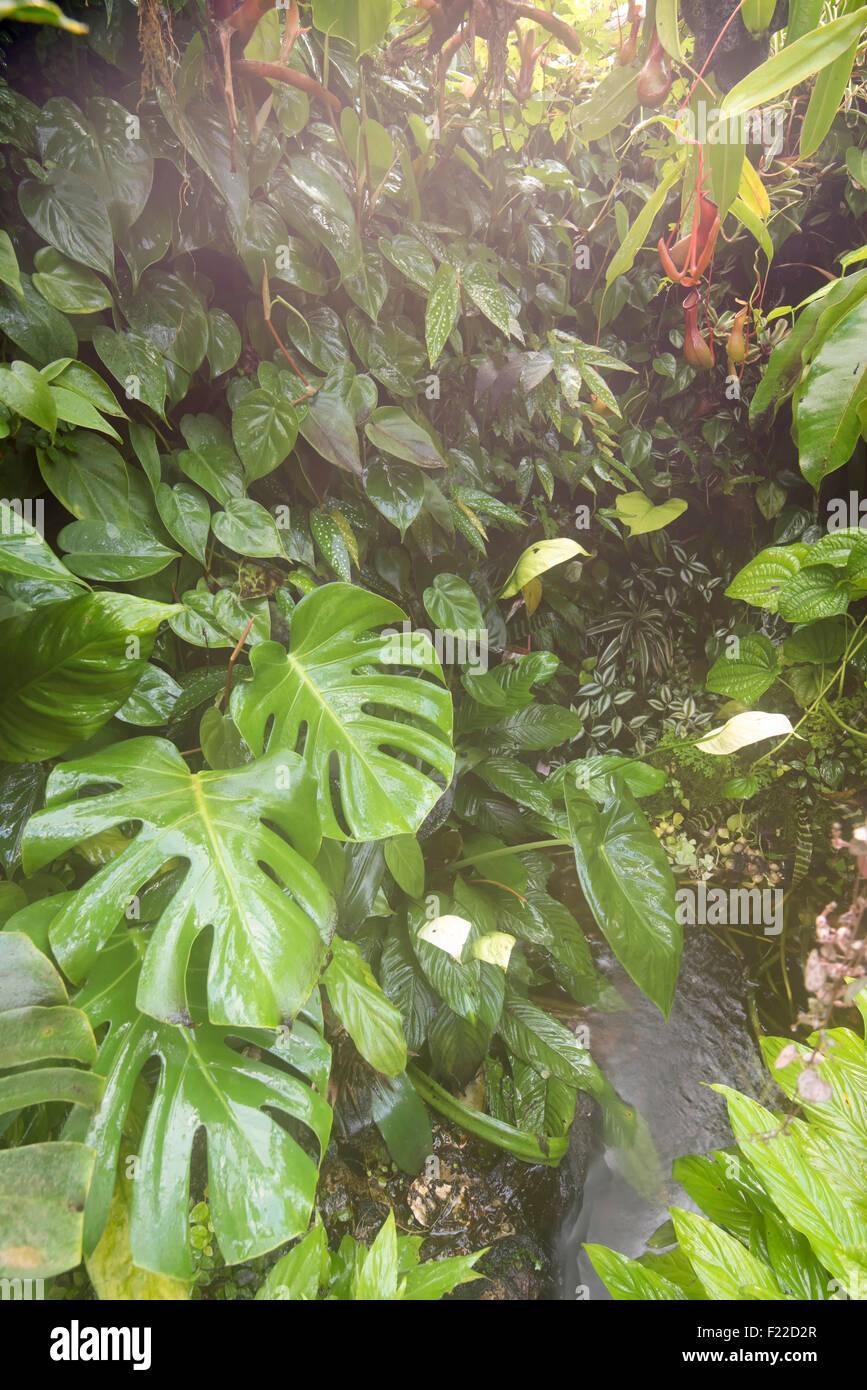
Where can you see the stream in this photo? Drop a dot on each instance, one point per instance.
(664, 1070)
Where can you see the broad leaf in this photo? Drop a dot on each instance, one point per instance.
(70, 666)
(329, 694)
(261, 1181)
(626, 879)
(270, 929)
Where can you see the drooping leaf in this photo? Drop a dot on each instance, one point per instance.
(71, 665)
(536, 560)
(369, 1018)
(626, 879)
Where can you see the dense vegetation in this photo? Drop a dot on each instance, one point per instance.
(431, 552)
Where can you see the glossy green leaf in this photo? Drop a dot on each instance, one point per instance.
(452, 605)
(748, 672)
(264, 428)
(815, 592)
(211, 461)
(9, 272)
(487, 295)
(247, 528)
(71, 216)
(372, 1022)
(396, 490)
(261, 1181)
(626, 879)
(70, 666)
(794, 63)
(186, 515)
(270, 929)
(112, 554)
(727, 1269)
(402, 1120)
(135, 364)
(33, 325)
(394, 432)
(67, 285)
(27, 393)
(324, 685)
(627, 1279)
(443, 308)
(760, 581)
(827, 403)
(405, 862)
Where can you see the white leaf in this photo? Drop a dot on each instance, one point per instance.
(448, 933)
(742, 730)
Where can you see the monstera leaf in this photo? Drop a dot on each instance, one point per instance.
(42, 1186)
(329, 695)
(270, 912)
(261, 1181)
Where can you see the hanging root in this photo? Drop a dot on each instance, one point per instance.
(156, 42)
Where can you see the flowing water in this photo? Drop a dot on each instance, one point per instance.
(664, 1070)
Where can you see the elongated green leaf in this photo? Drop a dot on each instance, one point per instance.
(613, 100)
(394, 432)
(827, 403)
(627, 1279)
(401, 1118)
(299, 1274)
(667, 27)
(826, 99)
(795, 63)
(726, 1268)
(406, 863)
(623, 258)
(530, 1147)
(443, 308)
(626, 879)
(369, 1018)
